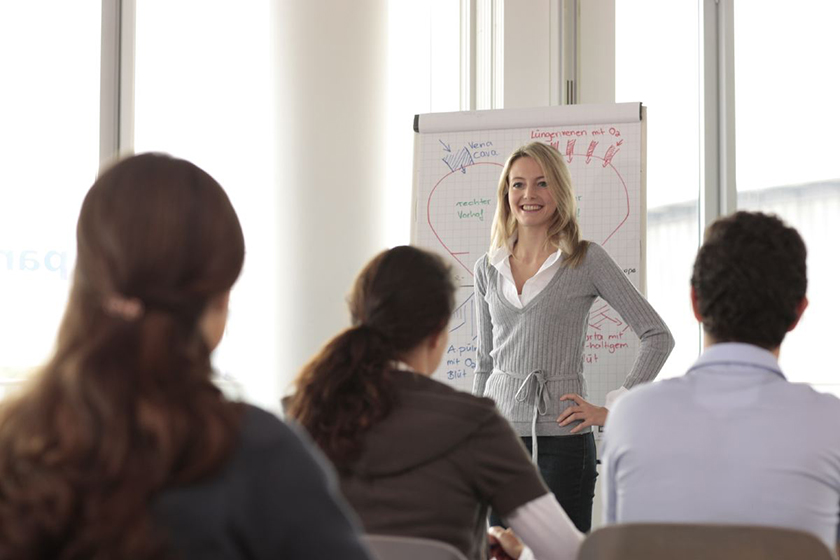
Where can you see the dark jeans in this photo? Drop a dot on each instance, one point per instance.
(567, 465)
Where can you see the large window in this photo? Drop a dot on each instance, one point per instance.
(424, 76)
(787, 123)
(49, 141)
(659, 66)
(204, 93)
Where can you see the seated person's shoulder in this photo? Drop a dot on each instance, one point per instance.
(641, 396)
(649, 403)
(261, 427)
(818, 403)
(262, 431)
(270, 444)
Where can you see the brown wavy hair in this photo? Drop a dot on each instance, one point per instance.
(403, 296)
(125, 408)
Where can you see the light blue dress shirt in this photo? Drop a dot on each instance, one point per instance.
(732, 441)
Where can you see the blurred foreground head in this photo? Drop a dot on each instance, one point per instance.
(125, 408)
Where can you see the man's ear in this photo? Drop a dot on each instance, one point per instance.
(800, 309)
(695, 306)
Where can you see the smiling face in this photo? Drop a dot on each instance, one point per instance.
(531, 203)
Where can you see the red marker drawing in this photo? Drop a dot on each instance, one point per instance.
(611, 151)
(591, 151)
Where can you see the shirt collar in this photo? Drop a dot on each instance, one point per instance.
(500, 254)
(738, 353)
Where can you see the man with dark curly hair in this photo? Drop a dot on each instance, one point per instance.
(732, 441)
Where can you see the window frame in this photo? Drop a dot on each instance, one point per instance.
(116, 80)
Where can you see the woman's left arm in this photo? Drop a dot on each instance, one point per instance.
(616, 289)
(655, 339)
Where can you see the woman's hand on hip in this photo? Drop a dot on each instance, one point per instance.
(587, 413)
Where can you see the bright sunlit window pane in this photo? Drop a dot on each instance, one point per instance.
(423, 77)
(203, 92)
(657, 63)
(787, 126)
(49, 141)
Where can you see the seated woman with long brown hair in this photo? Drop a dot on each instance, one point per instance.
(415, 457)
(122, 447)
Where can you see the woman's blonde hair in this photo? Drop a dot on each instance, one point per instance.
(563, 231)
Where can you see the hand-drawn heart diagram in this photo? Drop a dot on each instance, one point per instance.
(461, 206)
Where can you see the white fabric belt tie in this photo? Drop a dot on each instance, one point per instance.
(541, 398)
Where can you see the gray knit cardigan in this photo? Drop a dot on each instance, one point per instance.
(528, 358)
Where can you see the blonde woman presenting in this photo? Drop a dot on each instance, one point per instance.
(534, 290)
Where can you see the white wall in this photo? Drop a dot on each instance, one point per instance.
(530, 66)
(526, 53)
(596, 44)
(330, 75)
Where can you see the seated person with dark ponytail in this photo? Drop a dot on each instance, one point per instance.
(122, 447)
(416, 457)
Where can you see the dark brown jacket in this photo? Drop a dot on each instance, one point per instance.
(436, 463)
